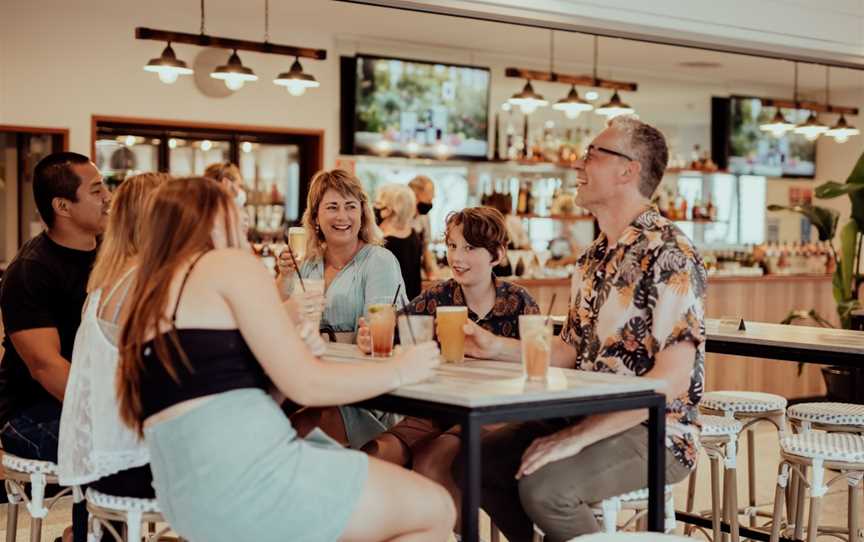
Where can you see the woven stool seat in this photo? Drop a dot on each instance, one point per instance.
(828, 413)
(122, 504)
(28, 466)
(607, 509)
(631, 537)
(745, 402)
(843, 447)
(719, 426)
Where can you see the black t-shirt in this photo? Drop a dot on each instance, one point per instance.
(44, 286)
(409, 252)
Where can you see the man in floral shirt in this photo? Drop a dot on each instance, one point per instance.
(637, 308)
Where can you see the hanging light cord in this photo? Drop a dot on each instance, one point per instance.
(795, 91)
(595, 61)
(202, 18)
(828, 87)
(552, 54)
(266, 21)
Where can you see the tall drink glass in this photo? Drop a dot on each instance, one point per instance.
(382, 322)
(416, 328)
(451, 335)
(536, 340)
(297, 241)
(312, 300)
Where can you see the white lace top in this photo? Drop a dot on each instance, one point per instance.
(93, 442)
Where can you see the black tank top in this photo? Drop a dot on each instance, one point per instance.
(219, 361)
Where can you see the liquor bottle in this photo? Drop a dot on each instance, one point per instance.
(710, 210)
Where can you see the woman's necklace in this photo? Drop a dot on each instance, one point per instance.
(341, 267)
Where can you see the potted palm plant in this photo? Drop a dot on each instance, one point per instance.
(846, 281)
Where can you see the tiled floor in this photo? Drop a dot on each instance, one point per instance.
(834, 508)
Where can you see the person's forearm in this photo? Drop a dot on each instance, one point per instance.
(602, 426)
(52, 374)
(331, 384)
(285, 285)
(507, 349)
(563, 355)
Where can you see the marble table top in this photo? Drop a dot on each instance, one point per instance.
(483, 383)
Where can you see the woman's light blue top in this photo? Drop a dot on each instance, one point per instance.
(372, 276)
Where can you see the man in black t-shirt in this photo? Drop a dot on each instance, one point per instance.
(41, 297)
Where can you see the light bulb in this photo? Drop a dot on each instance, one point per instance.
(592, 95)
(812, 136)
(296, 88)
(572, 114)
(206, 145)
(841, 139)
(172, 143)
(234, 83)
(130, 140)
(168, 76)
(246, 146)
(527, 107)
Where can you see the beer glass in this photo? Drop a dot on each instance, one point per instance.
(451, 335)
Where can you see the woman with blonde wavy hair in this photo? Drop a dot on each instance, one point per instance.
(94, 447)
(343, 247)
(198, 349)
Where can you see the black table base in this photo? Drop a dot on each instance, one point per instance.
(472, 420)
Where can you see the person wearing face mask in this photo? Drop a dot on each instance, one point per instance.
(424, 193)
(394, 210)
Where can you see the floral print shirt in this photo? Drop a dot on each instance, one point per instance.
(510, 301)
(632, 299)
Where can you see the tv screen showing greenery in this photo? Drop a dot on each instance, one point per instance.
(415, 108)
(753, 151)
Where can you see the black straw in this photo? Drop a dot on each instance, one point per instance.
(549, 312)
(395, 297)
(297, 267)
(410, 327)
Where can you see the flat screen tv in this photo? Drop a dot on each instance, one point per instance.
(398, 107)
(746, 149)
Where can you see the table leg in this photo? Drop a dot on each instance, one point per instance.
(656, 465)
(470, 456)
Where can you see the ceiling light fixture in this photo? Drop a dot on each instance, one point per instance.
(811, 128)
(528, 100)
(614, 107)
(233, 73)
(778, 125)
(295, 80)
(842, 131)
(572, 105)
(167, 66)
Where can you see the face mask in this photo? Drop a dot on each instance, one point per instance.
(424, 208)
(378, 217)
(240, 198)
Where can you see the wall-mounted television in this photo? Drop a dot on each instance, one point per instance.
(739, 145)
(400, 107)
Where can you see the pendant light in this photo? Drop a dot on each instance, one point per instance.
(779, 125)
(614, 107)
(528, 100)
(572, 105)
(295, 80)
(811, 128)
(234, 73)
(842, 131)
(167, 66)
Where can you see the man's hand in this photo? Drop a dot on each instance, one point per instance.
(545, 450)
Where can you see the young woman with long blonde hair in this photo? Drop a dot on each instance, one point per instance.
(204, 337)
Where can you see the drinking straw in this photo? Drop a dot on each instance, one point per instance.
(395, 297)
(549, 312)
(410, 327)
(297, 267)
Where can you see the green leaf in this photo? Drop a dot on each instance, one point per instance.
(824, 219)
(833, 189)
(848, 245)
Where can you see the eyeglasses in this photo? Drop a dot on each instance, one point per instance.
(587, 156)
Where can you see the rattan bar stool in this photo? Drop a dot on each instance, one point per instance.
(843, 452)
(19, 472)
(104, 508)
(750, 408)
(719, 439)
(607, 511)
(827, 416)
